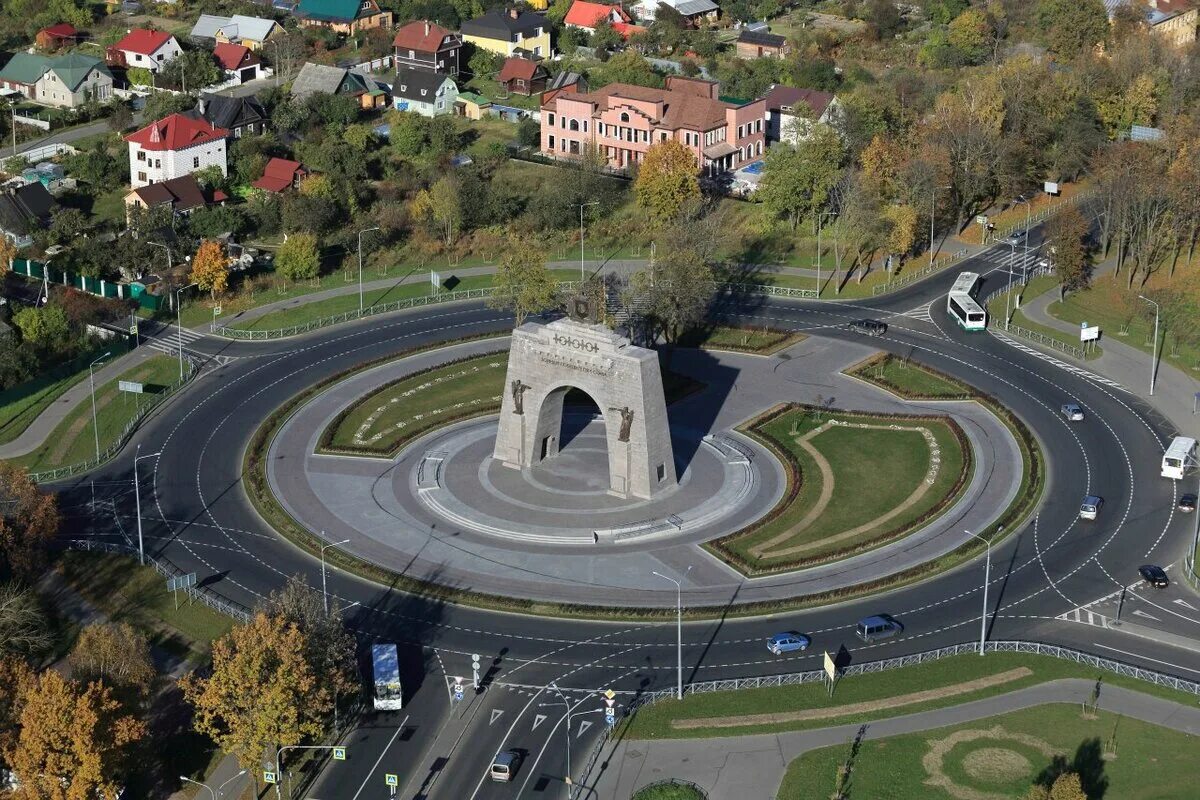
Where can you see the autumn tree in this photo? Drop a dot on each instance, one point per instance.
(114, 654)
(23, 628)
(1067, 238)
(262, 692)
(298, 258)
(796, 182)
(1071, 27)
(74, 741)
(15, 677)
(522, 283)
(666, 181)
(1066, 786)
(440, 208)
(210, 268)
(28, 522)
(330, 650)
(901, 221)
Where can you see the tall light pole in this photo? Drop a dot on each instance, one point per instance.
(324, 591)
(821, 215)
(1154, 354)
(1008, 295)
(92, 386)
(932, 217)
(220, 789)
(561, 696)
(678, 629)
(987, 577)
(582, 206)
(198, 783)
(179, 324)
(137, 498)
(360, 286)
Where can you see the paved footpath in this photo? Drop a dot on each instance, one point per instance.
(736, 767)
(1175, 388)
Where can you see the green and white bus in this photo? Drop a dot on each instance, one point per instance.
(961, 305)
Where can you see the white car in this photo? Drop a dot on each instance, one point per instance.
(1072, 412)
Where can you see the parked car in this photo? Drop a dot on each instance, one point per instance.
(879, 626)
(868, 327)
(788, 642)
(505, 765)
(1155, 576)
(1187, 503)
(1072, 412)
(1090, 508)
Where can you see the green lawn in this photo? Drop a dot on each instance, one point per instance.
(851, 520)
(760, 341)
(909, 379)
(654, 721)
(496, 92)
(1036, 287)
(307, 312)
(129, 592)
(1003, 756)
(669, 791)
(21, 405)
(73, 440)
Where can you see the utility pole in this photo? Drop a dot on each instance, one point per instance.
(137, 498)
(1154, 355)
(360, 285)
(581, 207)
(987, 578)
(92, 387)
(678, 629)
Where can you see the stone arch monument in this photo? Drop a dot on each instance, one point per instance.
(544, 361)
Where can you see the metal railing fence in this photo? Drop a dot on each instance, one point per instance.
(906, 278)
(201, 594)
(1033, 219)
(59, 473)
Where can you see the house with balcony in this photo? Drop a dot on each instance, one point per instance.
(504, 31)
(624, 121)
(174, 146)
(347, 17)
(425, 45)
(430, 94)
(145, 48)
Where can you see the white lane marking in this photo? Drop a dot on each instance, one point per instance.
(381, 755)
(583, 726)
(496, 714)
(1137, 612)
(538, 719)
(1146, 658)
(1185, 604)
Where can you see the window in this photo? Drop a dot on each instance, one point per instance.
(550, 142)
(573, 125)
(662, 136)
(741, 129)
(551, 119)
(141, 155)
(196, 162)
(141, 177)
(758, 125)
(624, 117)
(600, 128)
(412, 54)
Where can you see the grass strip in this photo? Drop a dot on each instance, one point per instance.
(664, 719)
(20, 405)
(258, 491)
(763, 341)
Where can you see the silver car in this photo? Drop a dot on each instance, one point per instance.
(1072, 412)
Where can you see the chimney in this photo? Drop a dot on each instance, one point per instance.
(426, 27)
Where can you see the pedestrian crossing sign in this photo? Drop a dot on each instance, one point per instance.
(339, 754)
(269, 776)
(391, 780)
(216, 311)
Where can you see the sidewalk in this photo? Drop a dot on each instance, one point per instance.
(33, 436)
(753, 766)
(1174, 389)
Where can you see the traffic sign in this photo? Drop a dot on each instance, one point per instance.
(133, 387)
(609, 694)
(458, 692)
(610, 717)
(216, 311)
(269, 776)
(391, 780)
(339, 754)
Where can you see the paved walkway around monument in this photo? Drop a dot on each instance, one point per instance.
(753, 766)
(739, 386)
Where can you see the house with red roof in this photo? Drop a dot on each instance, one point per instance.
(586, 16)
(280, 175)
(174, 146)
(425, 45)
(523, 76)
(240, 63)
(57, 36)
(144, 48)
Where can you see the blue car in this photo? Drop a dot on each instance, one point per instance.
(787, 642)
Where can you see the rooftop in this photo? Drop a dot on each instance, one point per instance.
(176, 132)
(422, 35)
(143, 40)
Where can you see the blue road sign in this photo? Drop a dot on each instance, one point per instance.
(610, 717)
(339, 754)
(269, 776)
(458, 692)
(391, 780)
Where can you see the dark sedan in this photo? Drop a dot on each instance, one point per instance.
(1155, 576)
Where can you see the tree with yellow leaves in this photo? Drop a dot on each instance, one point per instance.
(902, 228)
(666, 181)
(28, 521)
(15, 677)
(115, 654)
(262, 693)
(210, 268)
(74, 742)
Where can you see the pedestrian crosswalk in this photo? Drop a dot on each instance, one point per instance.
(1085, 616)
(920, 312)
(167, 341)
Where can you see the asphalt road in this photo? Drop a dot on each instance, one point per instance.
(195, 515)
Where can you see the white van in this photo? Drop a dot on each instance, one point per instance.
(1180, 455)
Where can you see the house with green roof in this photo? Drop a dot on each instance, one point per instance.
(65, 81)
(344, 16)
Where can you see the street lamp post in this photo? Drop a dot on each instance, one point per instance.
(220, 789)
(932, 217)
(198, 783)
(92, 387)
(324, 591)
(820, 223)
(1008, 295)
(137, 497)
(678, 629)
(582, 206)
(1154, 354)
(987, 578)
(360, 286)
(567, 704)
(179, 324)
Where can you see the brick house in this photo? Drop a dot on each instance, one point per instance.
(424, 45)
(760, 44)
(172, 147)
(624, 120)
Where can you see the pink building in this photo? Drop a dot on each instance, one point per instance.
(624, 120)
